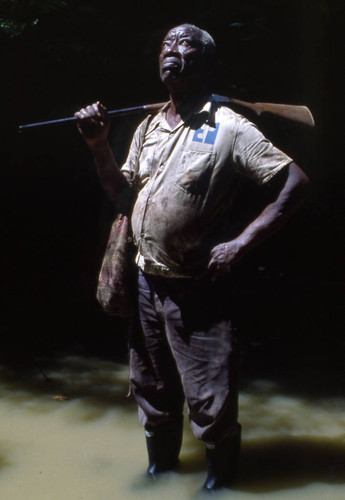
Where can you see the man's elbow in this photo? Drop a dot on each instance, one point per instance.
(302, 187)
(294, 190)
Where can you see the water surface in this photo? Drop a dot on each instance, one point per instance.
(76, 436)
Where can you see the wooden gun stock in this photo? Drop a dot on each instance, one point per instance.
(297, 114)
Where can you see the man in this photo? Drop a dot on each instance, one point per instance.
(185, 165)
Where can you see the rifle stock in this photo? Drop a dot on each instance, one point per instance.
(297, 114)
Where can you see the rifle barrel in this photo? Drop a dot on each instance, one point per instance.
(115, 112)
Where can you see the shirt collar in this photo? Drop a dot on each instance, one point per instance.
(201, 108)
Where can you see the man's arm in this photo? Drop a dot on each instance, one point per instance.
(294, 189)
(94, 125)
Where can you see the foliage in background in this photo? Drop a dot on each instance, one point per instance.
(20, 16)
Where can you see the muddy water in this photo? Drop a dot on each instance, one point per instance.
(77, 437)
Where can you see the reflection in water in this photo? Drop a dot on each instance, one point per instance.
(87, 444)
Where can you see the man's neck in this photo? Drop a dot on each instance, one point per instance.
(181, 103)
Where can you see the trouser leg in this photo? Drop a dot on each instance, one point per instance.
(204, 346)
(205, 349)
(155, 381)
(187, 341)
(156, 385)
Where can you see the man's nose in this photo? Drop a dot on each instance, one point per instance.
(174, 45)
(173, 48)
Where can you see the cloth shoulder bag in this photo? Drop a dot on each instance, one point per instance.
(115, 289)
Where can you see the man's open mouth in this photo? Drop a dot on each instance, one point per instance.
(171, 63)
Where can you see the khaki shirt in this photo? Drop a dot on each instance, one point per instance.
(186, 179)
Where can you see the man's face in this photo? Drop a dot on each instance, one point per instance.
(181, 54)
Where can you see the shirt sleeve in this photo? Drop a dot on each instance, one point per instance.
(255, 156)
(129, 169)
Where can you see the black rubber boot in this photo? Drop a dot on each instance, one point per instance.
(163, 447)
(222, 462)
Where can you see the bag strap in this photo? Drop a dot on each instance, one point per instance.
(142, 135)
(127, 199)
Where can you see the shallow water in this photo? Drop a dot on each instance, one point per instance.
(76, 436)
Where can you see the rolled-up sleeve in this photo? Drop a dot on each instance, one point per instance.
(129, 169)
(254, 156)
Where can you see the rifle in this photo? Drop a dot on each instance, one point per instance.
(294, 113)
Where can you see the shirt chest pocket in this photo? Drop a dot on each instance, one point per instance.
(194, 170)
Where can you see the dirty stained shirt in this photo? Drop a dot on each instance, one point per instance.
(186, 179)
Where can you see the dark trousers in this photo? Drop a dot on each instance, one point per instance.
(185, 347)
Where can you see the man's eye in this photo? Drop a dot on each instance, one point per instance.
(184, 42)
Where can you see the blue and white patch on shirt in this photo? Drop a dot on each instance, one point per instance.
(206, 135)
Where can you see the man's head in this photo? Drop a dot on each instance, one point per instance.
(187, 52)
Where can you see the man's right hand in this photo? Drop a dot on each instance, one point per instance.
(94, 124)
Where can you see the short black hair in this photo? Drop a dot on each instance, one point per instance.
(207, 43)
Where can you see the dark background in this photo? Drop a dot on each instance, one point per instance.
(59, 56)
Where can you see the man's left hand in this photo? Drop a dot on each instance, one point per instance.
(223, 256)
(293, 187)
